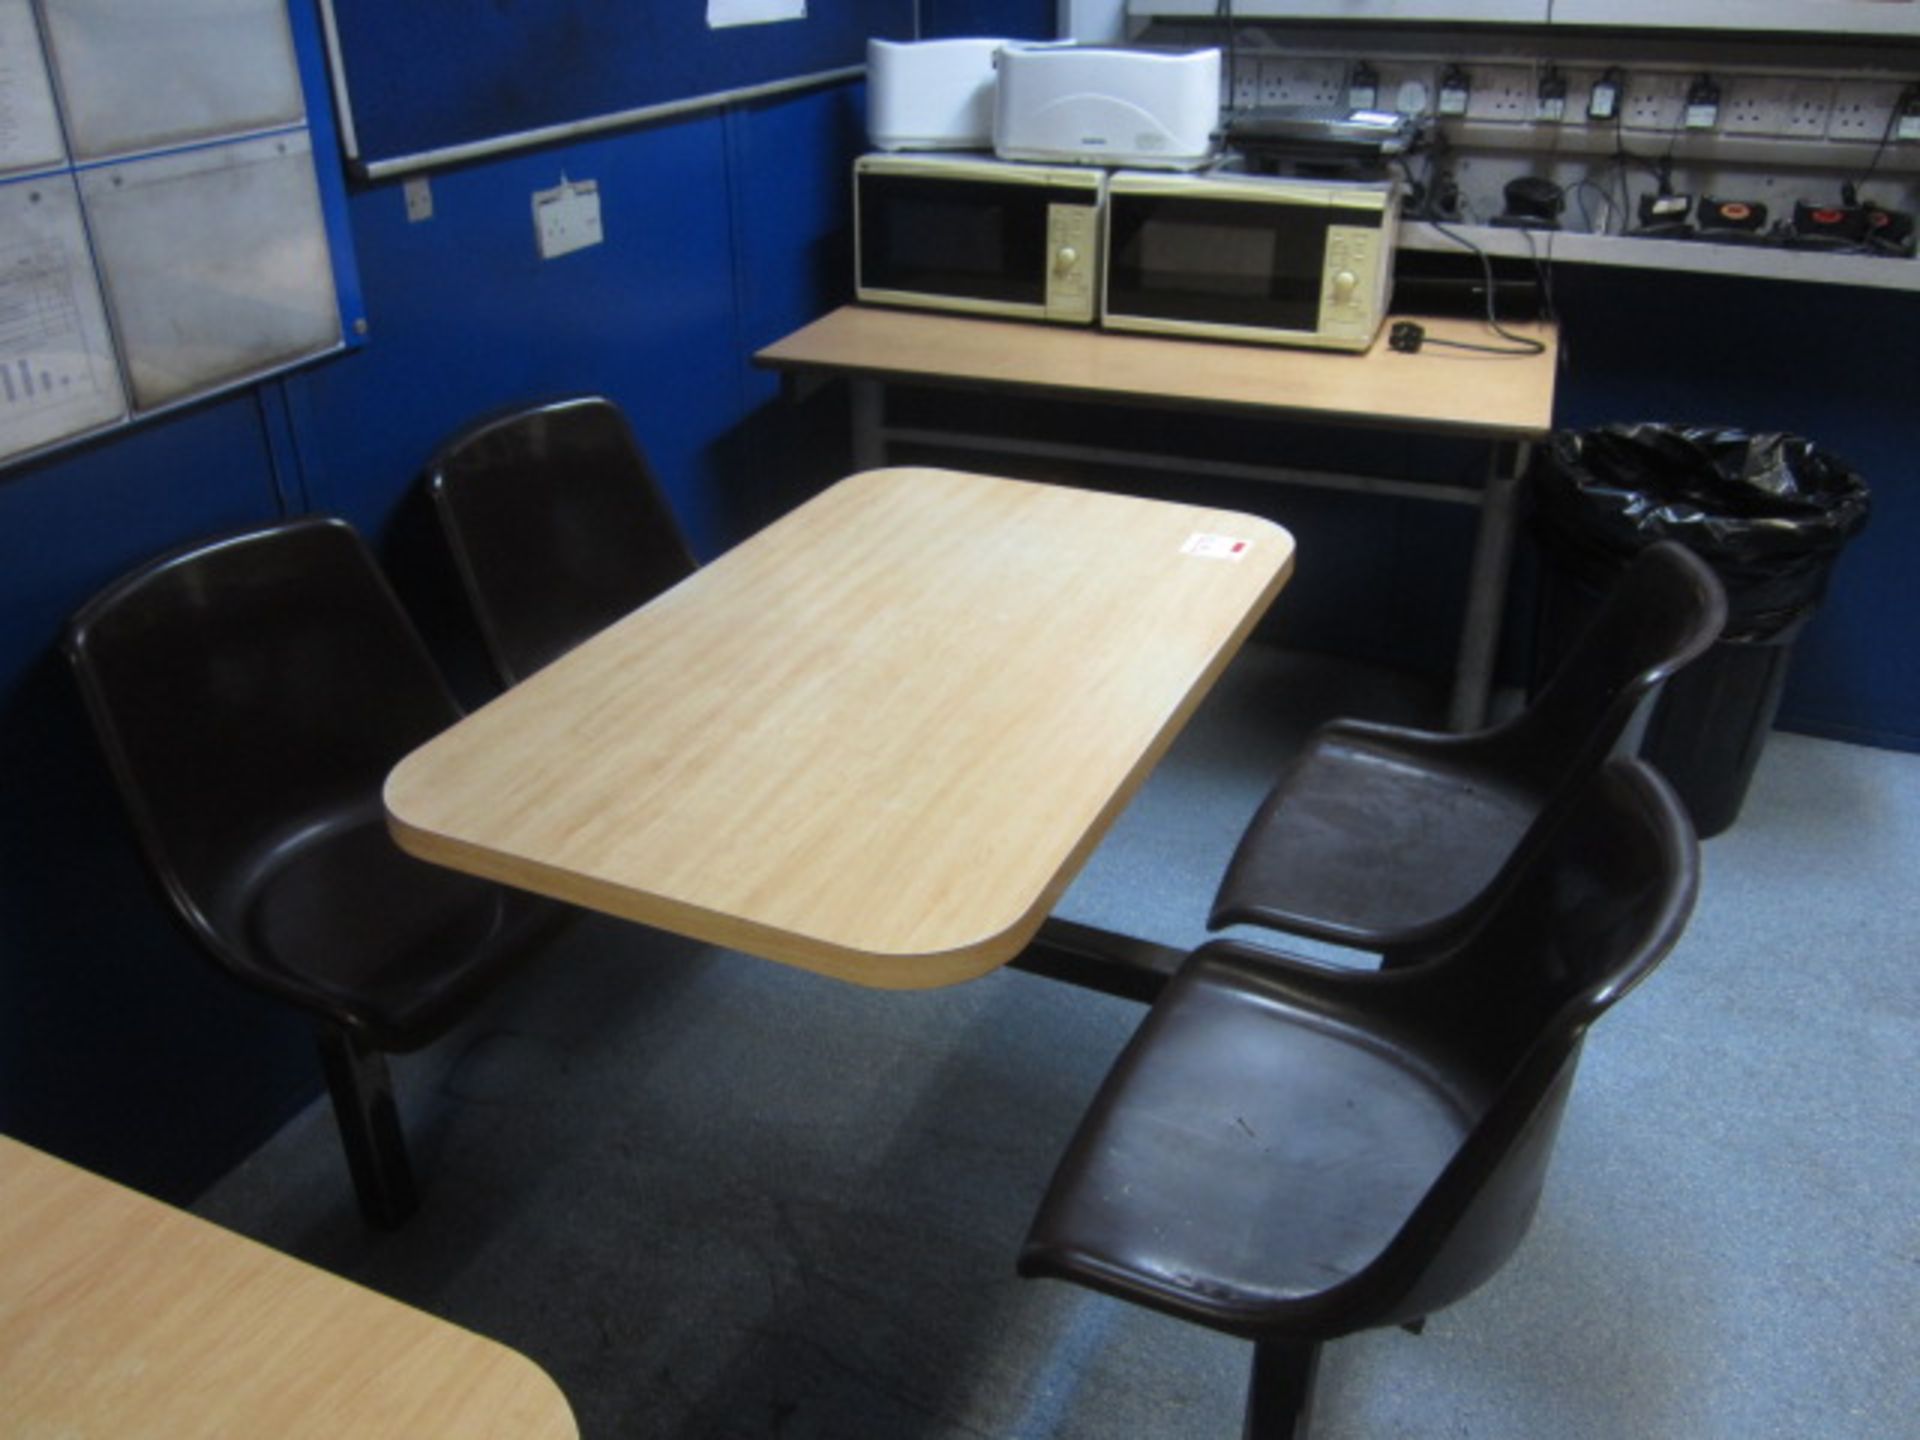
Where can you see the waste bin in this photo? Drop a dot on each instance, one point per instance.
(1769, 513)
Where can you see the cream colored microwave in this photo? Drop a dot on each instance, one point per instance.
(1267, 259)
(955, 232)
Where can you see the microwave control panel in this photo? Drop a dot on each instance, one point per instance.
(1353, 298)
(1073, 250)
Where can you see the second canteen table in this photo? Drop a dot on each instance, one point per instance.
(1504, 399)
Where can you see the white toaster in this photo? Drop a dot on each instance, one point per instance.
(930, 94)
(1108, 105)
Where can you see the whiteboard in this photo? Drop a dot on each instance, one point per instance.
(216, 263)
(428, 82)
(142, 74)
(57, 371)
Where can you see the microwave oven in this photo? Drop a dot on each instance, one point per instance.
(1269, 259)
(947, 232)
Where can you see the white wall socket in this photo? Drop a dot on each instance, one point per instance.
(419, 199)
(1862, 110)
(1303, 82)
(567, 217)
(1807, 109)
(1653, 101)
(1503, 93)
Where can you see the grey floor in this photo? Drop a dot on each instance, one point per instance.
(715, 1197)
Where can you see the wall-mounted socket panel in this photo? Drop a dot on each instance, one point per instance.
(1654, 100)
(1303, 82)
(1863, 110)
(1781, 106)
(1243, 86)
(1787, 128)
(1770, 118)
(1748, 104)
(1503, 94)
(1807, 109)
(567, 217)
(419, 193)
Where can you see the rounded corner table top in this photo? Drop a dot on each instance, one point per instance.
(875, 740)
(122, 1318)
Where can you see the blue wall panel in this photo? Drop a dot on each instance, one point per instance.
(1832, 364)
(465, 317)
(791, 168)
(1012, 19)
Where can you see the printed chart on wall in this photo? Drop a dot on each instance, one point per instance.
(57, 371)
(158, 241)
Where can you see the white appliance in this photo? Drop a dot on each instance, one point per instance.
(931, 94)
(1108, 105)
(1258, 258)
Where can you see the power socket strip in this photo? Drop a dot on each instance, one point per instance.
(1807, 110)
(1303, 82)
(1503, 94)
(1777, 106)
(1243, 84)
(1863, 110)
(1654, 100)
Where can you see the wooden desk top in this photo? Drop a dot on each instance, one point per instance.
(1497, 396)
(876, 740)
(122, 1318)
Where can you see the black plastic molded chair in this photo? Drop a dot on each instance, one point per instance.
(251, 693)
(1381, 837)
(558, 527)
(1291, 1153)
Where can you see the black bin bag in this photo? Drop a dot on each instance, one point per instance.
(1770, 513)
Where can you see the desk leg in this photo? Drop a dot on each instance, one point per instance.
(1102, 960)
(1487, 589)
(869, 424)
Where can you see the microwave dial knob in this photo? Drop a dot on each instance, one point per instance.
(1065, 258)
(1344, 283)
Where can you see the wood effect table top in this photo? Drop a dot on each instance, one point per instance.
(876, 740)
(125, 1319)
(1440, 390)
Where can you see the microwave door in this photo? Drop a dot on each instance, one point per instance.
(1206, 263)
(978, 244)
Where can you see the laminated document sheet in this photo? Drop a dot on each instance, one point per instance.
(136, 75)
(29, 128)
(216, 263)
(721, 13)
(57, 373)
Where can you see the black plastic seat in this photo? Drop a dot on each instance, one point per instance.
(251, 693)
(1380, 837)
(558, 527)
(1291, 1153)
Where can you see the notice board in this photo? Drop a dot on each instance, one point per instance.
(162, 231)
(427, 80)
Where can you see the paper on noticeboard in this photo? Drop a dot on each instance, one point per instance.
(57, 373)
(29, 128)
(721, 13)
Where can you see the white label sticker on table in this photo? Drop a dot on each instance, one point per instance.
(1216, 547)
